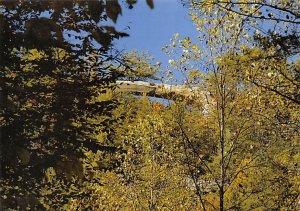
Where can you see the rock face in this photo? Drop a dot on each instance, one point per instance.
(158, 90)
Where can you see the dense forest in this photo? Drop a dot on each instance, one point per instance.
(86, 126)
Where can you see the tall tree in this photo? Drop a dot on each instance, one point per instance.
(241, 19)
(270, 25)
(249, 126)
(55, 59)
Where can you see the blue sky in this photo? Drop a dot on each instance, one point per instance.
(151, 29)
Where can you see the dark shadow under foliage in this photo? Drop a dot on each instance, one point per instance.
(54, 58)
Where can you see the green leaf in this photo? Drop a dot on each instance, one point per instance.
(103, 38)
(131, 3)
(113, 9)
(150, 3)
(95, 10)
(114, 32)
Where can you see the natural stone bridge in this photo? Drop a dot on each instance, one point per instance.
(152, 89)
